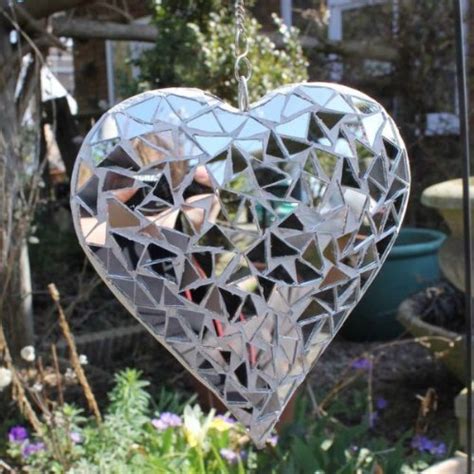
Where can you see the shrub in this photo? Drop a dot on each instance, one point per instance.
(203, 56)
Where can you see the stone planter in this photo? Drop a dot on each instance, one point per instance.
(460, 409)
(456, 465)
(452, 348)
(446, 198)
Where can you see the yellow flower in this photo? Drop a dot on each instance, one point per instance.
(221, 424)
(195, 427)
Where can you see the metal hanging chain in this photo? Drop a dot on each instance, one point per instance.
(242, 68)
(396, 19)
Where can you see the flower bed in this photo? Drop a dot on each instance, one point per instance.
(178, 437)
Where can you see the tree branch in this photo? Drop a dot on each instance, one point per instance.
(37, 27)
(360, 49)
(44, 8)
(79, 28)
(73, 355)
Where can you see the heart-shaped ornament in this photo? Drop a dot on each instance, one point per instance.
(242, 240)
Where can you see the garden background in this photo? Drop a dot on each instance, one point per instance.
(378, 401)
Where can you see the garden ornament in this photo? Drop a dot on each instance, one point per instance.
(242, 239)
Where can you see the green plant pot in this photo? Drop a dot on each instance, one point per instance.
(411, 266)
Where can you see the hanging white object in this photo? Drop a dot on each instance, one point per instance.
(242, 240)
(52, 89)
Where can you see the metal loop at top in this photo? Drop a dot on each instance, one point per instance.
(243, 94)
(241, 43)
(243, 67)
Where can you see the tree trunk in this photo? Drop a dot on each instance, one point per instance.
(91, 88)
(15, 315)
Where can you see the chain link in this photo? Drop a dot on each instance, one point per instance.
(243, 67)
(396, 19)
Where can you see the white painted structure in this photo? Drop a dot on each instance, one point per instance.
(286, 12)
(337, 9)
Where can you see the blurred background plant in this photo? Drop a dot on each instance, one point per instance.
(204, 56)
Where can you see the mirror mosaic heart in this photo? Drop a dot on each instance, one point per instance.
(242, 240)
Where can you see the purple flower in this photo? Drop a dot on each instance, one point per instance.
(171, 419)
(32, 448)
(373, 417)
(166, 420)
(17, 434)
(226, 419)
(273, 440)
(362, 364)
(381, 403)
(230, 456)
(439, 450)
(416, 442)
(76, 437)
(159, 424)
(424, 444)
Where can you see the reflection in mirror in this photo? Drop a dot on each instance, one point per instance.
(233, 234)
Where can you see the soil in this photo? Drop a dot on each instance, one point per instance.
(403, 371)
(442, 305)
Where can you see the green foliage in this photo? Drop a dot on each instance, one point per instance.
(172, 401)
(124, 425)
(198, 51)
(188, 11)
(323, 445)
(129, 399)
(130, 440)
